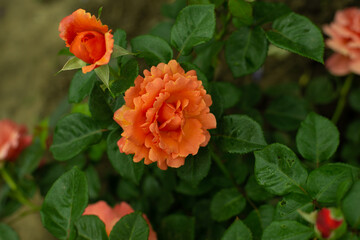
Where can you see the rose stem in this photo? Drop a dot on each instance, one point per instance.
(342, 99)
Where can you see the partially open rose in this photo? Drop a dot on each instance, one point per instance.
(344, 39)
(13, 139)
(110, 216)
(330, 223)
(87, 39)
(166, 116)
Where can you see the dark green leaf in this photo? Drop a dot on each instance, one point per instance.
(238, 167)
(284, 230)
(127, 190)
(128, 73)
(154, 49)
(317, 138)
(242, 10)
(98, 106)
(81, 86)
(320, 91)
(120, 38)
(354, 99)
(353, 132)
(237, 231)
(264, 12)
(130, 227)
(226, 204)
(297, 34)
(123, 163)
(251, 95)
(207, 57)
(196, 167)
(286, 113)
(323, 183)
(241, 134)
(163, 30)
(173, 9)
(217, 107)
(350, 205)
(73, 134)
(93, 182)
(256, 192)
(246, 50)
(231, 94)
(287, 208)
(194, 25)
(191, 2)
(90, 227)
(64, 204)
(178, 227)
(29, 159)
(259, 219)
(7, 233)
(278, 169)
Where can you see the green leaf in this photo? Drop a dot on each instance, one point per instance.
(286, 113)
(163, 30)
(154, 49)
(29, 159)
(278, 169)
(130, 227)
(259, 219)
(286, 209)
(191, 2)
(73, 134)
(226, 204)
(194, 25)
(128, 73)
(103, 73)
(246, 50)
(317, 138)
(65, 51)
(242, 10)
(119, 51)
(196, 167)
(284, 230)
(264, 12)
(323, 183)
(123, 163)
(7, 233)
(120, 38)
(73, 63)
(255, 191)
(352, 132)
(81, 86)
(350, 205)
(93, 181)
(354, 99)
(251, 95)
(237, 231)
(173, 9)
(299, 35)
(98, 106)
(217, 107)
(178, 227)
(241, 134)
(64, 204)
(230, 93)
(90, 227)
(320, 91)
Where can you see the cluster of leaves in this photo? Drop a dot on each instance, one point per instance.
(263, 163)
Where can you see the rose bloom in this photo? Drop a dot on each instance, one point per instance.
(165, 117)
(326, 223)
(87, 38)
(13, 139)
(344, 39)
(110, 216)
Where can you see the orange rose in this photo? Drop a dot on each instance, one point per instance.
(13, 140)
(166, 116)
(110, 216)
(87, 38)
(344, 39)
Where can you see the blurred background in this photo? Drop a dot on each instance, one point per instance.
(29, 43)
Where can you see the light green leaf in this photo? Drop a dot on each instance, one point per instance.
(278, 169)
(103, 73)
(242, 10)
(119, 51)
(73, 134)
(73, 63)
(297, 34)
(194, 25)
(226, 204)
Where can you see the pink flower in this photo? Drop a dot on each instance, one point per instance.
(110, 216)
(326, 223)
(13, 139)
(344, 39)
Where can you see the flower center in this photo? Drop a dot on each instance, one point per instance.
(89, 46)
(170, 117)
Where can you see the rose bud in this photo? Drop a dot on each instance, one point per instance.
(330, 223)
(110, 216)
(87, 39)
(13, 140)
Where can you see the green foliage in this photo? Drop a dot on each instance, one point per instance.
(320, 91)
(265, 12)
(286, 209)
(132, 226)
(90, 227)
(242, 10)
(259, 219)
(237, 231)
(7, 233)
(178, 227)
(317, 138)
(98, 106)
(30, 158)
(73, 134)
(245, 50)
(226, 204)
(194, 25)
(349, 205)
(287, 230)
(64, 204)
(297, 34)
(81, 86)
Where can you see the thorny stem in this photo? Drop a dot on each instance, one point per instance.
(342, 99)
(227, 174)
